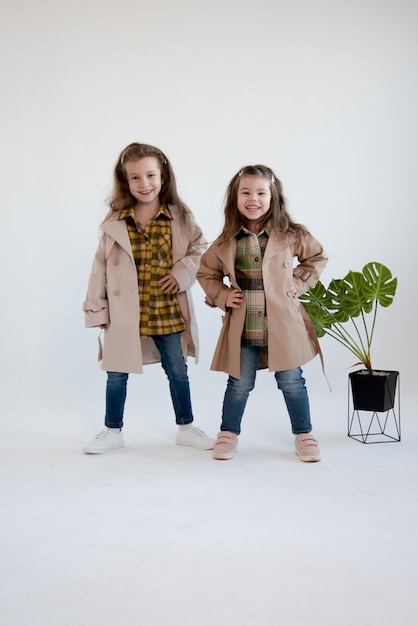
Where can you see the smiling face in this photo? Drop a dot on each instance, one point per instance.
(253, 199)
(144, 180)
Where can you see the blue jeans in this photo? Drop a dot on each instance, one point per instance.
(290, 382)
(172, 361)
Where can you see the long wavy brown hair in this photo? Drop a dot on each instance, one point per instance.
(121, 198)
(277, 217)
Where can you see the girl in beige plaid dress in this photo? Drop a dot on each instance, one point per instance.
(269, 260)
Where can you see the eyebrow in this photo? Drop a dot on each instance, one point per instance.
(147, 172)
(257, 189)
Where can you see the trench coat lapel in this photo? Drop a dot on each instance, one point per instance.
(178, 238)
(228, 254)
(117, 231)
(275, 244)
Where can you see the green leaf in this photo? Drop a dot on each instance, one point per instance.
(346, 299)
(354, 299)
(379, 283)
(316, 303)
(320, 318)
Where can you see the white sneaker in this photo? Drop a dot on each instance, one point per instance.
(195, 438)
(107, 439)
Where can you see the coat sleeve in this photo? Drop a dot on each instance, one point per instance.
(96, 305)
(184, 270)
(311, 261)
(210, 275)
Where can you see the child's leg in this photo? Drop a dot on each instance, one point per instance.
(238, 390)
(115, 399)
(175, 368)
(111, 437)
(292, 384)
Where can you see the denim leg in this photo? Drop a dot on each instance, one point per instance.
(292, 384)
(172, 361)
(238, 390)
(115, 398)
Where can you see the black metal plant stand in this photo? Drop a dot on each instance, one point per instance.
(371, 426)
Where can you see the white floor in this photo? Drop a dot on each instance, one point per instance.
(156, 534)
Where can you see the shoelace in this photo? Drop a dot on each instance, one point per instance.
(198, 431)
(102, 434)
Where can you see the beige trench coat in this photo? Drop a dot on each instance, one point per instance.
(291, 336)
(112, 294)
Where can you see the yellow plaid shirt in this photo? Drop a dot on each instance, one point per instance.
(151, 249)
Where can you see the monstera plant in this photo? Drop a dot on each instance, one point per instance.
(347, 310)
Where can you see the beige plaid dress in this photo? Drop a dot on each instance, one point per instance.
(249, 275)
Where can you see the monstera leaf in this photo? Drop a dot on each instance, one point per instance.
(380, 284)
(357, 295)
(318, 303)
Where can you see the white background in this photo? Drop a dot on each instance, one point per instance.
(323, 91)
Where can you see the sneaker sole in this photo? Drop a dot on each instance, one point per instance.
(308, 459)
(208, 446)
(225, 456)
(93, 451)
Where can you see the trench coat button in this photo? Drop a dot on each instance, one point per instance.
(115, 261)
(286, 264)
(116, 292)
(290, 294)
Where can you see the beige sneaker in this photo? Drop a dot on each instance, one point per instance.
(307, 448)
(225, 446)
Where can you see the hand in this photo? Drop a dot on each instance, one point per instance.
(234, 299)
(168, 284)
(294, 291)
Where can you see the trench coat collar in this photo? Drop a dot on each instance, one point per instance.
(228, 250)
(277, 241)
(117, 231)
(179, 237)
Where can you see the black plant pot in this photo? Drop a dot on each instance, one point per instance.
(373, 392)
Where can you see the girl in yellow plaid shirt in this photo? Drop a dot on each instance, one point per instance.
(139, 290)
(269, 261)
